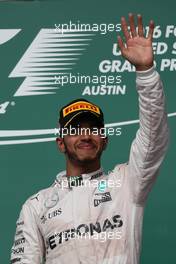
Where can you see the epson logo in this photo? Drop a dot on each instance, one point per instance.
(18, 250)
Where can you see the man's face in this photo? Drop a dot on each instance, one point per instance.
(83, 147)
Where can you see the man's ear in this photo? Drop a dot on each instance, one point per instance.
(105, 143)
(60, 144)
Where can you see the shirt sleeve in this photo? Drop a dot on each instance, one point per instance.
(28, 247)
(150, 144)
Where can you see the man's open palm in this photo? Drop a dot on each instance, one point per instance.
(138, 48)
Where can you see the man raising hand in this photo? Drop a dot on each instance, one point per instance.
(66, 222)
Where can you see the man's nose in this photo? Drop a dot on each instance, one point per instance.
(86, 133)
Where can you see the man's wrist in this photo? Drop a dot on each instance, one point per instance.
(146, 73)
(144, 67)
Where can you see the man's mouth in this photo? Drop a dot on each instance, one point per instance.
(86, 146)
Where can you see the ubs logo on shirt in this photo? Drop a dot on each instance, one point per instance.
(49, 216)
(54, 213)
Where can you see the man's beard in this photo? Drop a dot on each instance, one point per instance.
(72, 156)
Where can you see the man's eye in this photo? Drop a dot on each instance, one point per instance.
(75, 130)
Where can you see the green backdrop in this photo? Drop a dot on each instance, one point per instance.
(30, 98)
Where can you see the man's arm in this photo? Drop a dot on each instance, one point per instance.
(28, 247)
(150, 145)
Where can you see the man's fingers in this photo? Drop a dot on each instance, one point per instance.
(125, 28)
(151, 29)
(120, 43)
(132, 25)
(140, 26)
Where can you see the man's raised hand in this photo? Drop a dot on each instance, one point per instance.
(138, 48)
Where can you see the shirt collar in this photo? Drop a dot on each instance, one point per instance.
(70, 181)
